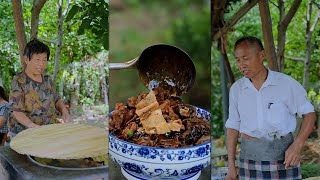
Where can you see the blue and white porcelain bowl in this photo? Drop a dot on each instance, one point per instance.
(144, 162)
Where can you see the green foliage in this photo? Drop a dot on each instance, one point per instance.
(170, 6)
(192, 34)
(92, 16)
(217, 125)
(314, 97)
(310, 170)
(9, 57)
(83, 78)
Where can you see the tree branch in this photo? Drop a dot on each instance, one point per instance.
(48, 40)
(317, 4)
(37, 6)
(236, 17)
(295, 58)
(287, 19)
(315, 21)
(19, 26)
(59, 41)
(217, 9)
(67, 9)
(273, 4)
(266, 26)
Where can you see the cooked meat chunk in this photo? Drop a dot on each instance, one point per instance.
(159, 120)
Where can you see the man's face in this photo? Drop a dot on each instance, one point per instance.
(249, 59)
(37, 64)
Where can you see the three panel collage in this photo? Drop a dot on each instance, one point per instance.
(139, 90)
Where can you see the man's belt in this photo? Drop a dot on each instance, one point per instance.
(265, 150)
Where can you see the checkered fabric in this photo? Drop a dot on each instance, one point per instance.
(4, 111)
(271, 170)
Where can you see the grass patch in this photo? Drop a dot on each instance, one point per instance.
(310, 170)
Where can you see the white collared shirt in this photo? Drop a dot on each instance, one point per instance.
(269, 111)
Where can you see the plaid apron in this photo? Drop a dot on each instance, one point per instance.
(263, 159)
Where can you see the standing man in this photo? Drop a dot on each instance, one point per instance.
(262, 111)
(34, 97)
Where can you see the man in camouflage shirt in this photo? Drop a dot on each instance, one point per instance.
(35, 100)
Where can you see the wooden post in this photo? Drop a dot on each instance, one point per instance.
(266, 24)
(224, 88)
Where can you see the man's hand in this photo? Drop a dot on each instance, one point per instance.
(232, 174)
(292, 155)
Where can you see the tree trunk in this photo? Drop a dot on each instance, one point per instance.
(224, 87)
(266, 24)
(59, 41)
(19, 25)
(104, 87)
(227, 65)
(217, 11)
(309, 32)
(308, 47)
(61, 17)
(282, 28)
(36, 9)
(103, 57)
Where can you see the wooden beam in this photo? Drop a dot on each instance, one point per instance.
(266, 24)
(236, 17)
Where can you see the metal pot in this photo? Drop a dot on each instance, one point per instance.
(165, 66)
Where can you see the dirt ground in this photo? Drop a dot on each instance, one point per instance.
(311, 152)
(92, 115)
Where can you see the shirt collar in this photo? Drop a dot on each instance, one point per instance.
(270, 81)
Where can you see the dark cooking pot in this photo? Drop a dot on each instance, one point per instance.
(165, 66)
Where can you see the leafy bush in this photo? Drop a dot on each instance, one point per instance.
(83, 79)
(310, 170)
(314, 97)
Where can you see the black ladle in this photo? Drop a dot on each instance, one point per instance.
(165, 66)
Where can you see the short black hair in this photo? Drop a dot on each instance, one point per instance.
(36, 47)
(251, 40)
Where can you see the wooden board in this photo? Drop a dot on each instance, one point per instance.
(62, 141)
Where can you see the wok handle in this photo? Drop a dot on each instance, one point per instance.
(126, 65)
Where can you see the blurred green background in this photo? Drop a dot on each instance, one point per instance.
(137, 24)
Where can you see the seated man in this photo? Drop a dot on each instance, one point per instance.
(34, 97)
